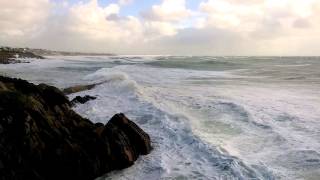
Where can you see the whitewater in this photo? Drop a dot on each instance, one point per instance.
(220, 118)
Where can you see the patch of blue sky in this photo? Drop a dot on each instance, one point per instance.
(134, 8)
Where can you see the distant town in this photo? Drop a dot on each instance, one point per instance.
(10, 54)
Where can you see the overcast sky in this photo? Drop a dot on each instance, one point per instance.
(177, 27)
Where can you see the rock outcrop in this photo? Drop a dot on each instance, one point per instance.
(82, 100)
(78, 88)
(42, 138)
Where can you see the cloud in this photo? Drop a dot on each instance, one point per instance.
(154, 29)
(168, 10)
(273, 25)
(90, 20)
(20, 19)
(106, 24)
(165, 19)
(301, 23)
(217, 27)
(125, 2)
(253, 14)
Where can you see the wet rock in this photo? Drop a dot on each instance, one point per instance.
(79, 88)
(82, 100)
(43, 138)
(134, 132)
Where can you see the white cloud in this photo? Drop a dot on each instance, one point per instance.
(19, 18)
(253, 14)
(91, 21)
(268, 23)
(165, 19)
(219, 27)
(168, 10)
(156, 29)
(125, 2)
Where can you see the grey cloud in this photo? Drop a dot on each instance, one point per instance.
(114, 17)
(208, 41)
(131, 35)
(268, 28)
(301, 23)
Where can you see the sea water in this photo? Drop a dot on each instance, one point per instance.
(208, 117)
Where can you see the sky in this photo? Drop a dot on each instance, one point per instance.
(170, 27)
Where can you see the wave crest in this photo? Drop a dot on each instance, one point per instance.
(114, 80)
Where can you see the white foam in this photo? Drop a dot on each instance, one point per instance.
(292, 65)
(177, 152)
(106, 74)
(203, 124)
(247, 121)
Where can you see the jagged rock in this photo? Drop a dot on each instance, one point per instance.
(134, 132)
(82, 100)
(41, 137)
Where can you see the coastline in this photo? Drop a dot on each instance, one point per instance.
(11, 55)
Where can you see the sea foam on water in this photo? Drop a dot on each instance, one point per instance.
(208, 117)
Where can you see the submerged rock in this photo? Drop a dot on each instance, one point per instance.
(41, 137)
(82, 100)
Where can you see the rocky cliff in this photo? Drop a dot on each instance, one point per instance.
(41, 137)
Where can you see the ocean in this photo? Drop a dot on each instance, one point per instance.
(220, 118)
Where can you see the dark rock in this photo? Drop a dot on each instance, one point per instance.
(134, 132)
(43, 138)
(79, 88)
(82, 100)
